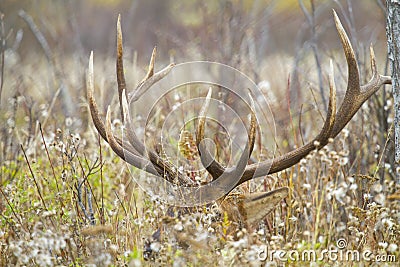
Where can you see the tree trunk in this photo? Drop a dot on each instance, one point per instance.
(393, 36)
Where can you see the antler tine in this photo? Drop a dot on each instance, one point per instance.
(94, 110)
(151, 78)
(355, 95)
(126, 155)
(376, 77)
(244, 158)
(120, 66)
(240, 169)
(253, 125)
(212, 166)
(147, 81)
(150, 71)
(132, 137)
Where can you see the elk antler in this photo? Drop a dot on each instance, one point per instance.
(135, 153)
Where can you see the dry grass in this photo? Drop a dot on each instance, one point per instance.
(67, 200)
(46, 218)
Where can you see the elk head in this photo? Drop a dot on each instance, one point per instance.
(134, 151)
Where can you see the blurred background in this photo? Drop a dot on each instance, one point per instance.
(191, 29)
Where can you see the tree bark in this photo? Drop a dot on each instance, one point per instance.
(393, 36)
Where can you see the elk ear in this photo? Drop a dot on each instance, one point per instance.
(258, 205)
